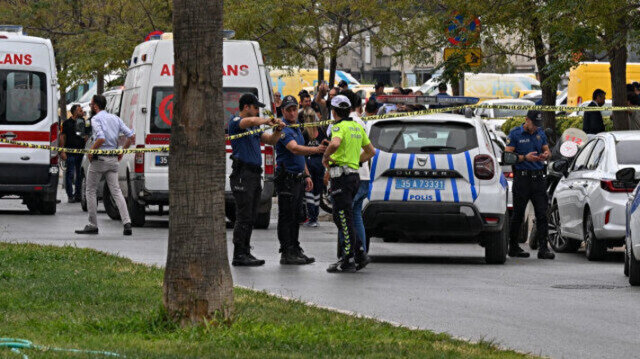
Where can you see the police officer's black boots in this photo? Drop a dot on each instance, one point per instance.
(543, 250)
(345, 265)
(243, 258)
(291, 255)
(362, 258)
(516, 251)
(301, 254)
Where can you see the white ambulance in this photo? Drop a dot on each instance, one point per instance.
(147, 107)
(28, 113)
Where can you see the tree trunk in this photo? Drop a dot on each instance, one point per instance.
(333, 64)
(197, 280)
(100, 82)
(618, 70)
(320, 63)
(549, 87)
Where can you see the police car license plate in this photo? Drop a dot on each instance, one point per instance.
(162, 160)
(413, 183)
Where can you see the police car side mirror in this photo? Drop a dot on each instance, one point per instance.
(509, 158)
(561, 166)
(626, 175)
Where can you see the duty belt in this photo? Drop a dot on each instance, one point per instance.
(289, 175)
(530, 173)
(337, 171)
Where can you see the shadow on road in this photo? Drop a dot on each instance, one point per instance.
(427, 259)
(156, 223)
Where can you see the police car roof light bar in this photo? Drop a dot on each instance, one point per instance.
(11, 28)
(428, 100)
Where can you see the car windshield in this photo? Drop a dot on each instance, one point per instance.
(23, 97)
(627, 152)
(162, 106)
(499, 113)
(423, 137)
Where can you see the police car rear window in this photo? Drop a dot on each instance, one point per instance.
(423, 137)
(627, 152)
(23, 97)
(162, 106)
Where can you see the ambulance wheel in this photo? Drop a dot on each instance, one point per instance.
(136, 210)
(32, 204)
(393, 239)
(368, 241)
(83, 194)
(47, 207)
(110, 204)
(495, 245)
(262, 220)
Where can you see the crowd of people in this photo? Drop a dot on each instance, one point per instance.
(593, 122)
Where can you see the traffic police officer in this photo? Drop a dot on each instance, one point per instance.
(291, 181)
(246, 173)
(529, 182)
(343, 157)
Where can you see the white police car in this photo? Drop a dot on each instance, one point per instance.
(437, 175)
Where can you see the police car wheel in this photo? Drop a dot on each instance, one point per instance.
(626, 262)
(496, 244)
(634, 269)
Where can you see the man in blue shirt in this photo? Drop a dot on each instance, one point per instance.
(106, 131)
(529, 182)
(292, 180)
(247, 172)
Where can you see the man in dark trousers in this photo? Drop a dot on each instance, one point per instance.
(343, 157)
(529, 182)
(592, 122)
(246, 173)
(292, 180)
(73, 137)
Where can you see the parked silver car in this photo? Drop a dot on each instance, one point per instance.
(589, 203)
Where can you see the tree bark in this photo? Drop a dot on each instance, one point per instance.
(618, 70)
(197, 281)
(100, 82)
(333, 65)
(549, 87)
(320, 63)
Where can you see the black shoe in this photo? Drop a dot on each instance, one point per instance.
(88, 229)
(344, 265)
(292, 257)
(545, 253)
(301, 254)
(362, 259)
(516, 251)
(72, 200)
(244, 260)
(127, 229)
(260, 261)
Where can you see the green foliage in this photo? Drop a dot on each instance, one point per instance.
(80, 298)
(89, 36)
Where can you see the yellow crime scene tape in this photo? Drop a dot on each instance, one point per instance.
(328, 122)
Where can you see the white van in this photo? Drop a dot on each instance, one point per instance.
(147, 107)
(28, 113)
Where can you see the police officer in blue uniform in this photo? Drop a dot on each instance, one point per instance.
(291, 180)
(247, 172)
(529, 182)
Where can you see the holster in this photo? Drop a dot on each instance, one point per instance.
(238, 166)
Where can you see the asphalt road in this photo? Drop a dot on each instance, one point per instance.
(567, 308)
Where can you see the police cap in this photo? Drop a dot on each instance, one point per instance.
(535, 117)
(288, 101)
(249, 99)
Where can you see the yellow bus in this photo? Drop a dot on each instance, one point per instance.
(589, 76)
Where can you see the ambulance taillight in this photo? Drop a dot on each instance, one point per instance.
(53, 141)
(268, 160)
(139, 161)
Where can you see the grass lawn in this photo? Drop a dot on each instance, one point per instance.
(80, 298)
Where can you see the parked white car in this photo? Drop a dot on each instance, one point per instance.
(589, 202)
(632, 242)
